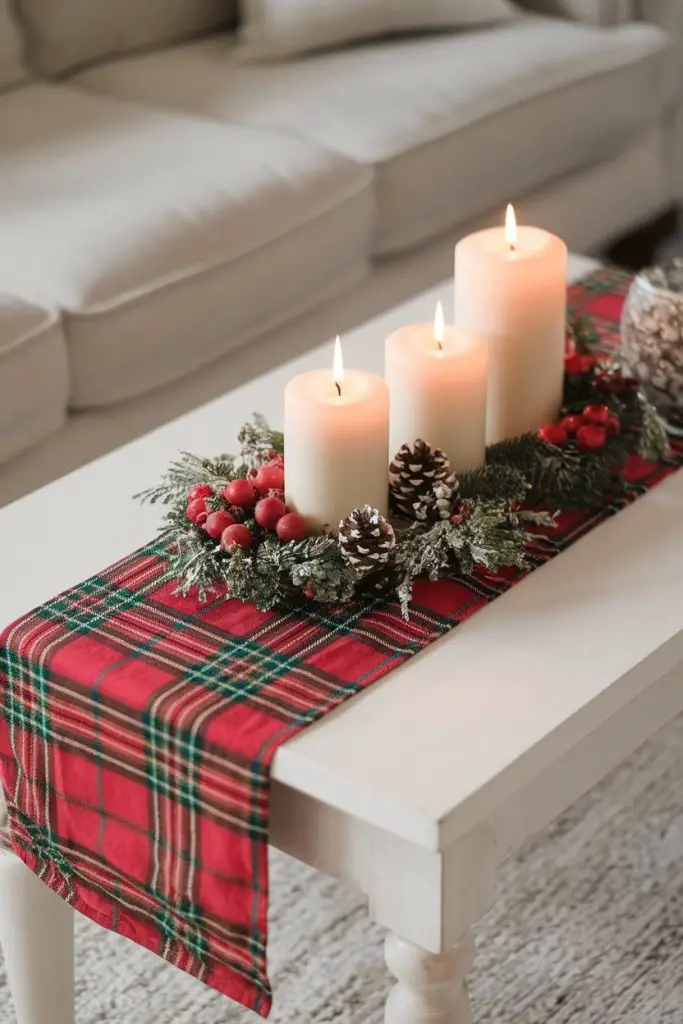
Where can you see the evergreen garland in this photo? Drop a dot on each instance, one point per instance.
(481, 519)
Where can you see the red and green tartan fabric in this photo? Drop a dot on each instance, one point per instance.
(137, 729)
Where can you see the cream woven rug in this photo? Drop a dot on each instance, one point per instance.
(588, 929)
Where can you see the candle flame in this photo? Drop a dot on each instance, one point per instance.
(511, 227)
(439, 326)
(338, 366)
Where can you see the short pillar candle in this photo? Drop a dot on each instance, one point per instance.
(511, 286)
(336, 444)
(437, 382)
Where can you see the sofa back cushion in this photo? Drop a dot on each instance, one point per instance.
(11, 69)
(65, 34)
(595, 12)
(274, 29)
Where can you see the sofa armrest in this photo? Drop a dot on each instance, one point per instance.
(595, 12)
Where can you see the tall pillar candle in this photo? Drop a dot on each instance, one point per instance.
(437, 383)
(336, 443)
(511, 286)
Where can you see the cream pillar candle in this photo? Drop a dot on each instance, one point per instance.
(511, 286)
(336, 443)
(437, 383)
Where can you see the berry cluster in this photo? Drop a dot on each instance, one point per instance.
(589, 429)
(247, 502)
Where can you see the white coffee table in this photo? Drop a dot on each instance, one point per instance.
(416, 790)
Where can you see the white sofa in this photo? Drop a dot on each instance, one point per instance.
(172, 221)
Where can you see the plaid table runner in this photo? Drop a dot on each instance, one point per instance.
(137, 730)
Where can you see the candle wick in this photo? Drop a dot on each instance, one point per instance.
(338, 387)
(439, 345)
(513, 247)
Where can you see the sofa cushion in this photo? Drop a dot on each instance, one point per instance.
(272, 29)
(63, 34)
(452, 125)
(597, 12)
(11, 68)
(167, 240)
(33, 374)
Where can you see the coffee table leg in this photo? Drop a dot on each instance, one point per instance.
(430, 989)
(36, 935)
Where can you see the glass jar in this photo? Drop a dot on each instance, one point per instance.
(652, 339)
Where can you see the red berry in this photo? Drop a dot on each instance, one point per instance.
(199, 491)
(292, 527)
(269, 512)
(217, 522)
(241, 492)
(275, 458)
(579, 364)
(597, 414)
(617, 384)
(201, 518)
(572, 423)
(270, 478)
(195, 509)
(236, 536)
(591, 438)
(613, 427)
(280, 495)
(553, 433)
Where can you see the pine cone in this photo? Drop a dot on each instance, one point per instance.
(414, 472)
(366, 540)
(441, 503)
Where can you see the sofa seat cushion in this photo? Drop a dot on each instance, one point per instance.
(33, 374)
(453, 125)
(167, 240)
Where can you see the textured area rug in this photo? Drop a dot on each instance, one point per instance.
(588, 929)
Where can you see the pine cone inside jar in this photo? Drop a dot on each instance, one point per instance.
(366, 540)
(415, 469)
